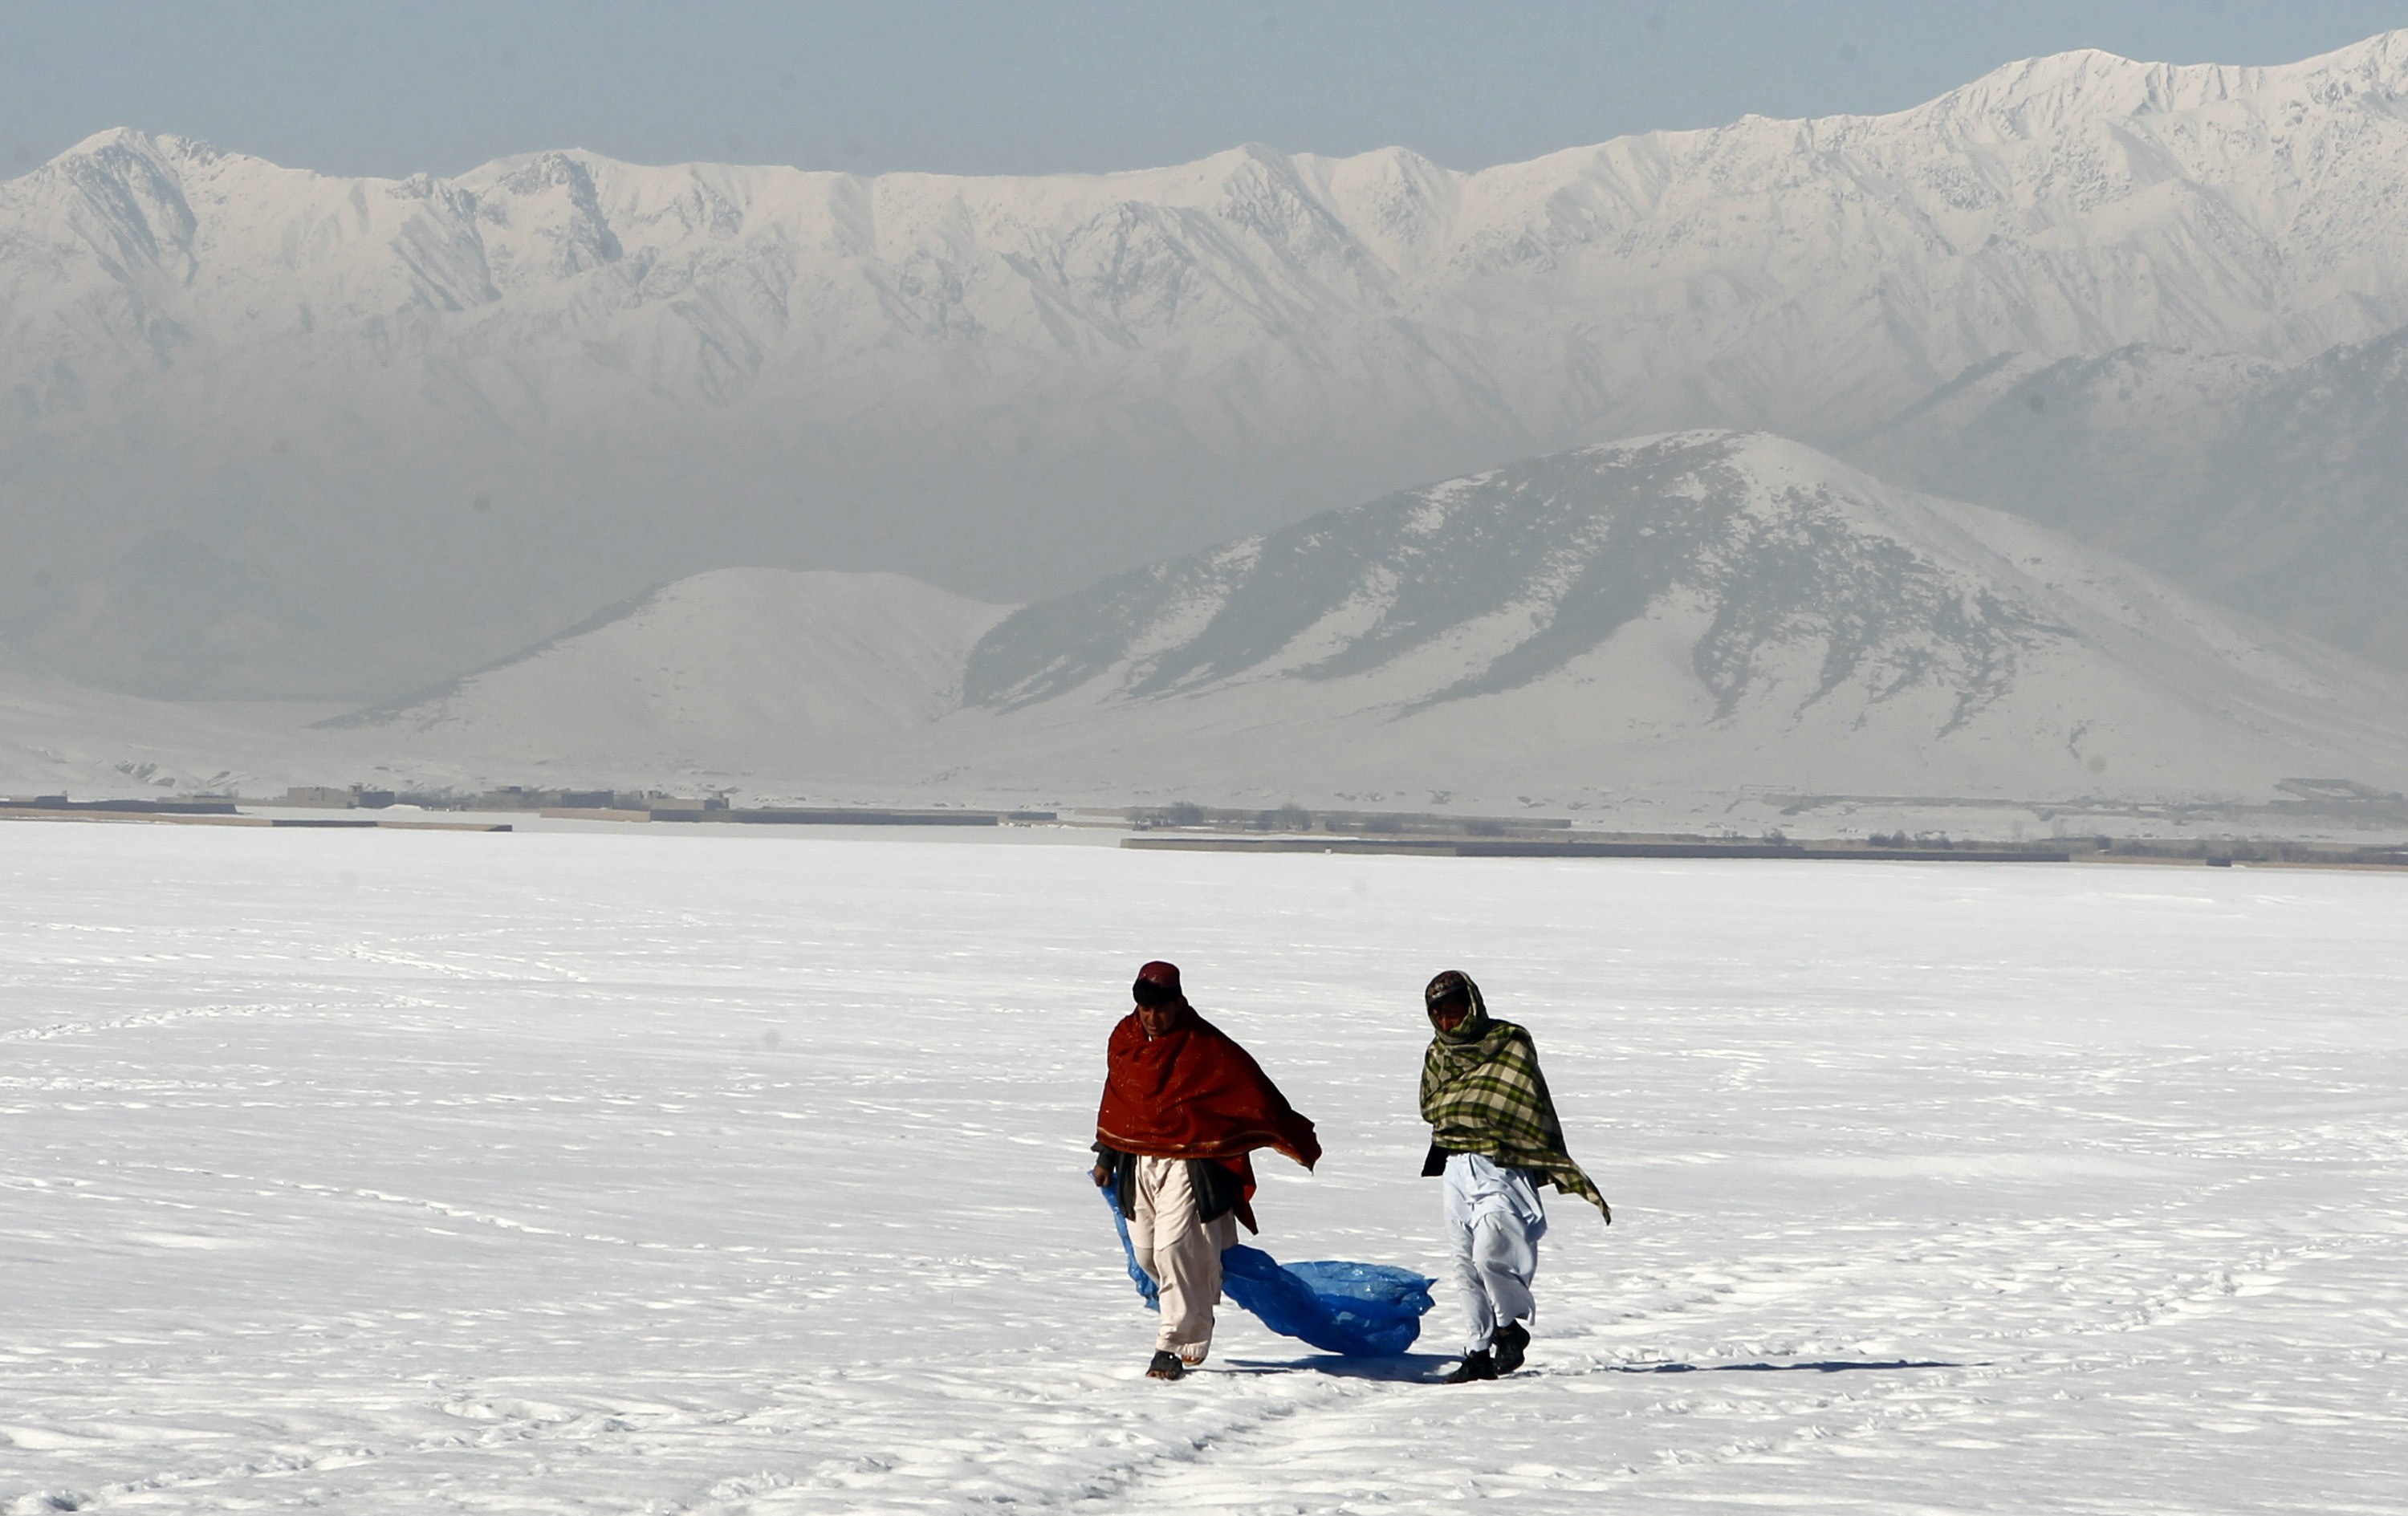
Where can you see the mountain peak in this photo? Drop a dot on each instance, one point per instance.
(118, 138)
(1487, 583)
(2102, 82)
(163, 149)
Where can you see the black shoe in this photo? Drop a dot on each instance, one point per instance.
(1475, 1366)
(1166, 1365)
(1512, 1339)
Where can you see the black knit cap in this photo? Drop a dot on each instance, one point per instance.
(1447, 985)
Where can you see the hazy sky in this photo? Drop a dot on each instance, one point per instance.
(992, 87)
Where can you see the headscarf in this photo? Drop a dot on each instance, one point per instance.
(1481, 1092)
(1193, 1093)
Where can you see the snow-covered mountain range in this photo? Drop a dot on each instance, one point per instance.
(269, 430)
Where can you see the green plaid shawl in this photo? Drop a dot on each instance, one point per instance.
(1482, 1093)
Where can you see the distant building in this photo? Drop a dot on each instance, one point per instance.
(326, 794)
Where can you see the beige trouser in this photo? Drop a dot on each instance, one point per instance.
(1181, 1252)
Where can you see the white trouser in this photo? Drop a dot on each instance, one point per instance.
(1180, 1252)
(1494, 1220)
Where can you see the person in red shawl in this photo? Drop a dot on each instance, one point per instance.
(1183, 1108)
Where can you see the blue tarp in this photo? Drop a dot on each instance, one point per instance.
(1371, 1310)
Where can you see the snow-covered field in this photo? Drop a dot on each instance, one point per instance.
(571, 1172)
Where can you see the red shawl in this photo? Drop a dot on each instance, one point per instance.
(1193, 1093)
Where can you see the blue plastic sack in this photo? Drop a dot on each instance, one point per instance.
(1147, 1290)
(1368, 1311)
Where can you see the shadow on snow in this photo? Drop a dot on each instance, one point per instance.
(1403, 1366)
(1421, 1367)
(1820, 1366)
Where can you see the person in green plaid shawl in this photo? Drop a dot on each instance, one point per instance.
(1493, 1140)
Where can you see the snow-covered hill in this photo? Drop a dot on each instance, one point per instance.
(735, 673)
(57, 737)
(2280, 490)
(442, 418)
(1698, 614)
(1702, 612)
